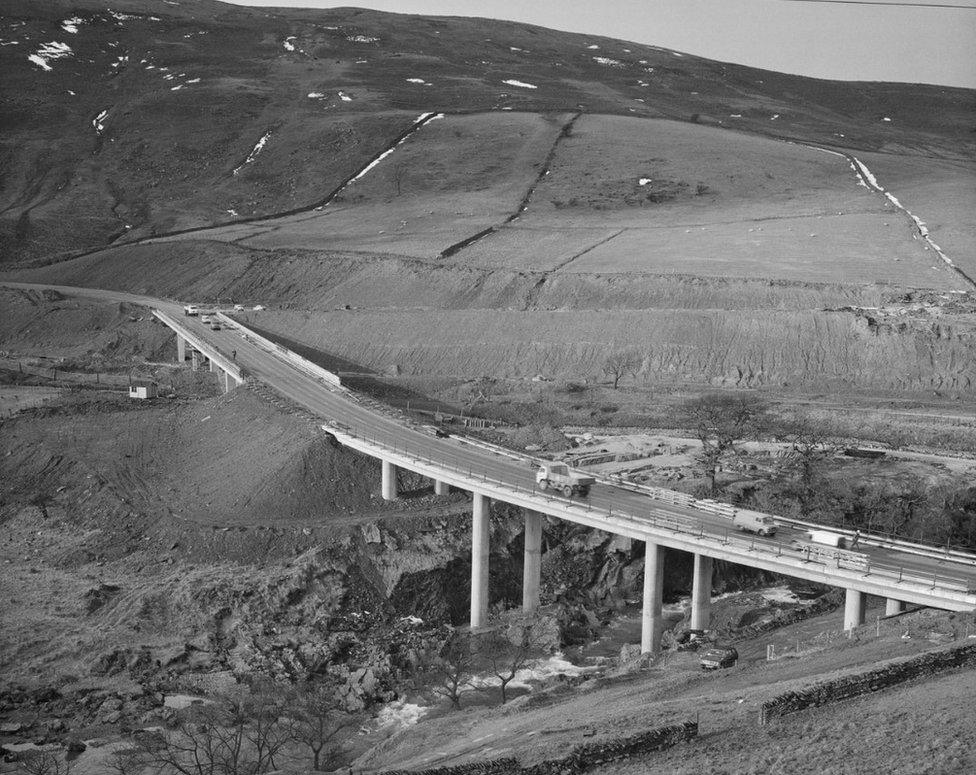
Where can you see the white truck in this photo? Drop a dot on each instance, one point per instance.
(559, 476)
(754, 522)
(827, 538)
(191, 309)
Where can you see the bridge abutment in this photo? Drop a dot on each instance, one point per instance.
(479, 560)
(651, 622)
(388, 488)
(854, 609)
(701, 593)
(532, 563)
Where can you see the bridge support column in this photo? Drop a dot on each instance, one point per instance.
(389, 483)
(532, 563)
(441, 488)
(194, 359)
(893, 606)
(180, 349)
(213, 366)
(479, 560)
(651, 622)
(227, 387)
(701, 593)
(854, 609)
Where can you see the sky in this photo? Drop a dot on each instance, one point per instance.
(918, 41)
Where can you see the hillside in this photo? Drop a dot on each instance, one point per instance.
(155, 116)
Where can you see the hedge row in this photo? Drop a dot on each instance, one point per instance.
(871, 681)
(582, 757)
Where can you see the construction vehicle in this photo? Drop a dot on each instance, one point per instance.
(559, 476)
(717, 657)
(191, 309)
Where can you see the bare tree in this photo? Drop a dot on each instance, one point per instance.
(619, 364)
(43, 763)
(236, 735)
(510, 642)
(451, 668)
(719, 420)
(318, 721)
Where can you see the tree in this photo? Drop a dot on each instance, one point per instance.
(318, 720)
(41, 762)
(450, 668)
(718, 421)
(510, 642)
(619, 364)
(239, 734)
(809, 447)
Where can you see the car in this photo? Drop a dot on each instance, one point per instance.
(257, 307)
(205, 319)
(238, 308)
(717, 657)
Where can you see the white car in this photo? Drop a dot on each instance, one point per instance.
(238, 308)
(257, 307)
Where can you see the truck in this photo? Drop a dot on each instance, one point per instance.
(827, 538)
(191, 309)
(559, 476)
(754, 522)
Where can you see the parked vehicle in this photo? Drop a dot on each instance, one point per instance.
(754, 522)
(717, 657)
(559, 476)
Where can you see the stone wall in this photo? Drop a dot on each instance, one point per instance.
(891, 674)
(582, 757)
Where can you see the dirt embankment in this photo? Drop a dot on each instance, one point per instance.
(812, 350)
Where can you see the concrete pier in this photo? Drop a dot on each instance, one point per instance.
(212, 365)
(651, 620)
(701, 593)
(195, 359)
(854, 609)
(532, 563)
(180, 349)
(389, 481)
(479, 560)
(227, 382)
(893, 606)
(441, 488)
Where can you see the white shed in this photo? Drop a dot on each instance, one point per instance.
(143, 390)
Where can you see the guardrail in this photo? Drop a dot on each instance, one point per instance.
(303, 364)
(828, 557)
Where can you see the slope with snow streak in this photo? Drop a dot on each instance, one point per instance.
(867, 179)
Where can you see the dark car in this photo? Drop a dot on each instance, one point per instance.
(718, 656)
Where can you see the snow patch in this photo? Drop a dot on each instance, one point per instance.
(537, 670)
(774, 117)
(315, 95)
(416, 80)
(886, 119)
(71, 25)
(735, 115)
(424, 117)
(232, 212)
(516, 48)
(9, 42)
(607, 61)
(344, 97)
(258, 147)
(98, 121)
(194, 80)
(287, 43)
(362, 39)
(780, 595)
(677, 54)
(593, 47)
(643, 181)
(122, 60)
(48, 52)
(177, 87)
(520, 84)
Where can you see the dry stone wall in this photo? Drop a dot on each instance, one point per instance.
(875, 680)
(582, 758)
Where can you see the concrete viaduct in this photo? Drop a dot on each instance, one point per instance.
(900, 572)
